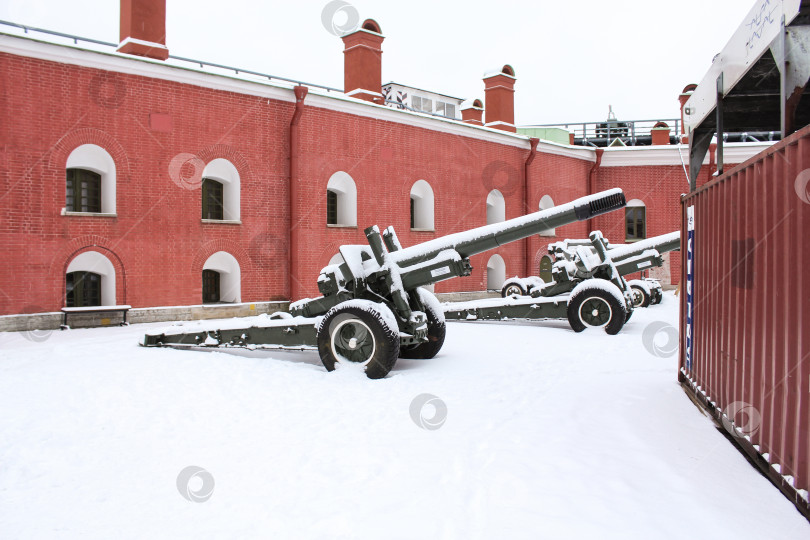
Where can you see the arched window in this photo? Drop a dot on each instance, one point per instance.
(496, 273)
(545, 203)
(90, 281)
(496, 207)
(90, 181)
(422, 206)
(221, 191)
(337, 258)
(341, 201)
(222, 279)
(635, 221)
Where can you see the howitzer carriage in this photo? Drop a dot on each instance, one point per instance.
(576, 261)
(373, 307)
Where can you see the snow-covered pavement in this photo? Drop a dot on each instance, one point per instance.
(548, 434)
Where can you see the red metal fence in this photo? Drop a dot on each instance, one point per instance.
(745, 325)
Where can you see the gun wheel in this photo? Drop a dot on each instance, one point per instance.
(594, 304)
(511, 289)
(641, 298)
(359, 335)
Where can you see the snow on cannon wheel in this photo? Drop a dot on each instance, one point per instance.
(512, 289)
(642, 296)
(597, 303)
(359, 332)
(437, 329)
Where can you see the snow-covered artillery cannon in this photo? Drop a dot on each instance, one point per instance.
(575, 261)
(587, 290)
(373, 308)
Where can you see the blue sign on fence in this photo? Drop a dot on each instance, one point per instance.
(690, 284)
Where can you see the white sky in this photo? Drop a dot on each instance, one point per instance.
(571, 58)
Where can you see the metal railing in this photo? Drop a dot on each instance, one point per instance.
(605, 132)
(203, 64)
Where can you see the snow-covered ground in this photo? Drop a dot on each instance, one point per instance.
(548, 434)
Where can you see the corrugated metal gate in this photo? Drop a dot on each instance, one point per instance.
(745, 324)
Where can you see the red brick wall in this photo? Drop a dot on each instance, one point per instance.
(158, 243)
(660, 188)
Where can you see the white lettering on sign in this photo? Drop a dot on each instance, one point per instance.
(690, 281)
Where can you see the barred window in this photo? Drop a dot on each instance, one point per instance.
(83, 289)
(83, 189)
(212, 199)
(211, 282)
(635, 222)
(331, 207)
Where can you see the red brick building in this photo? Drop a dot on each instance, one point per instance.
(165, 179)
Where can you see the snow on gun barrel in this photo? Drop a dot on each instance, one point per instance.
(388, 279)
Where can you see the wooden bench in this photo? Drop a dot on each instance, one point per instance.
(93, 309)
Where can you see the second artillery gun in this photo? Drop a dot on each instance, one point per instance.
(373, 307)
(578, 260)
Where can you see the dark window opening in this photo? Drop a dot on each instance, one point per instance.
(83, 289)
(212, 193)
(331, 207)
(83, 191)
(413, 218)
(635, 221)
(210, 286)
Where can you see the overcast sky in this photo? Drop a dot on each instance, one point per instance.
(571, 58)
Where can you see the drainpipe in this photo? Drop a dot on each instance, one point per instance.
(292, 266)
(528, 245)
(591, 175)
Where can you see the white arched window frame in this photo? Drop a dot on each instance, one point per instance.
(337, 258)
(496, 273)
(224, 172)
(94, 158)
(344, 187)
(230, 276)
(496, 207)
(422, 206)
(93, 261)
(635, 220)
(545, 203)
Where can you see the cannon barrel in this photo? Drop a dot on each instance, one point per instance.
(484, 238)
(662, 244)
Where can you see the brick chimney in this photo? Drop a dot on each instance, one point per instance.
(499, 89)
(362, 63)
(143, 28)
(660, 134)
(683, 98)
(472, 112)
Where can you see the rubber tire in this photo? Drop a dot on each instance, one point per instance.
(647, 298)
(512, 285)
(437, 329)
(385, 338)
(614, 324)
(627, 317)
(657, 296)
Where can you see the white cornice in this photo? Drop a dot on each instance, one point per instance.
(742, 152)
(144, 67)
(639, 156)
